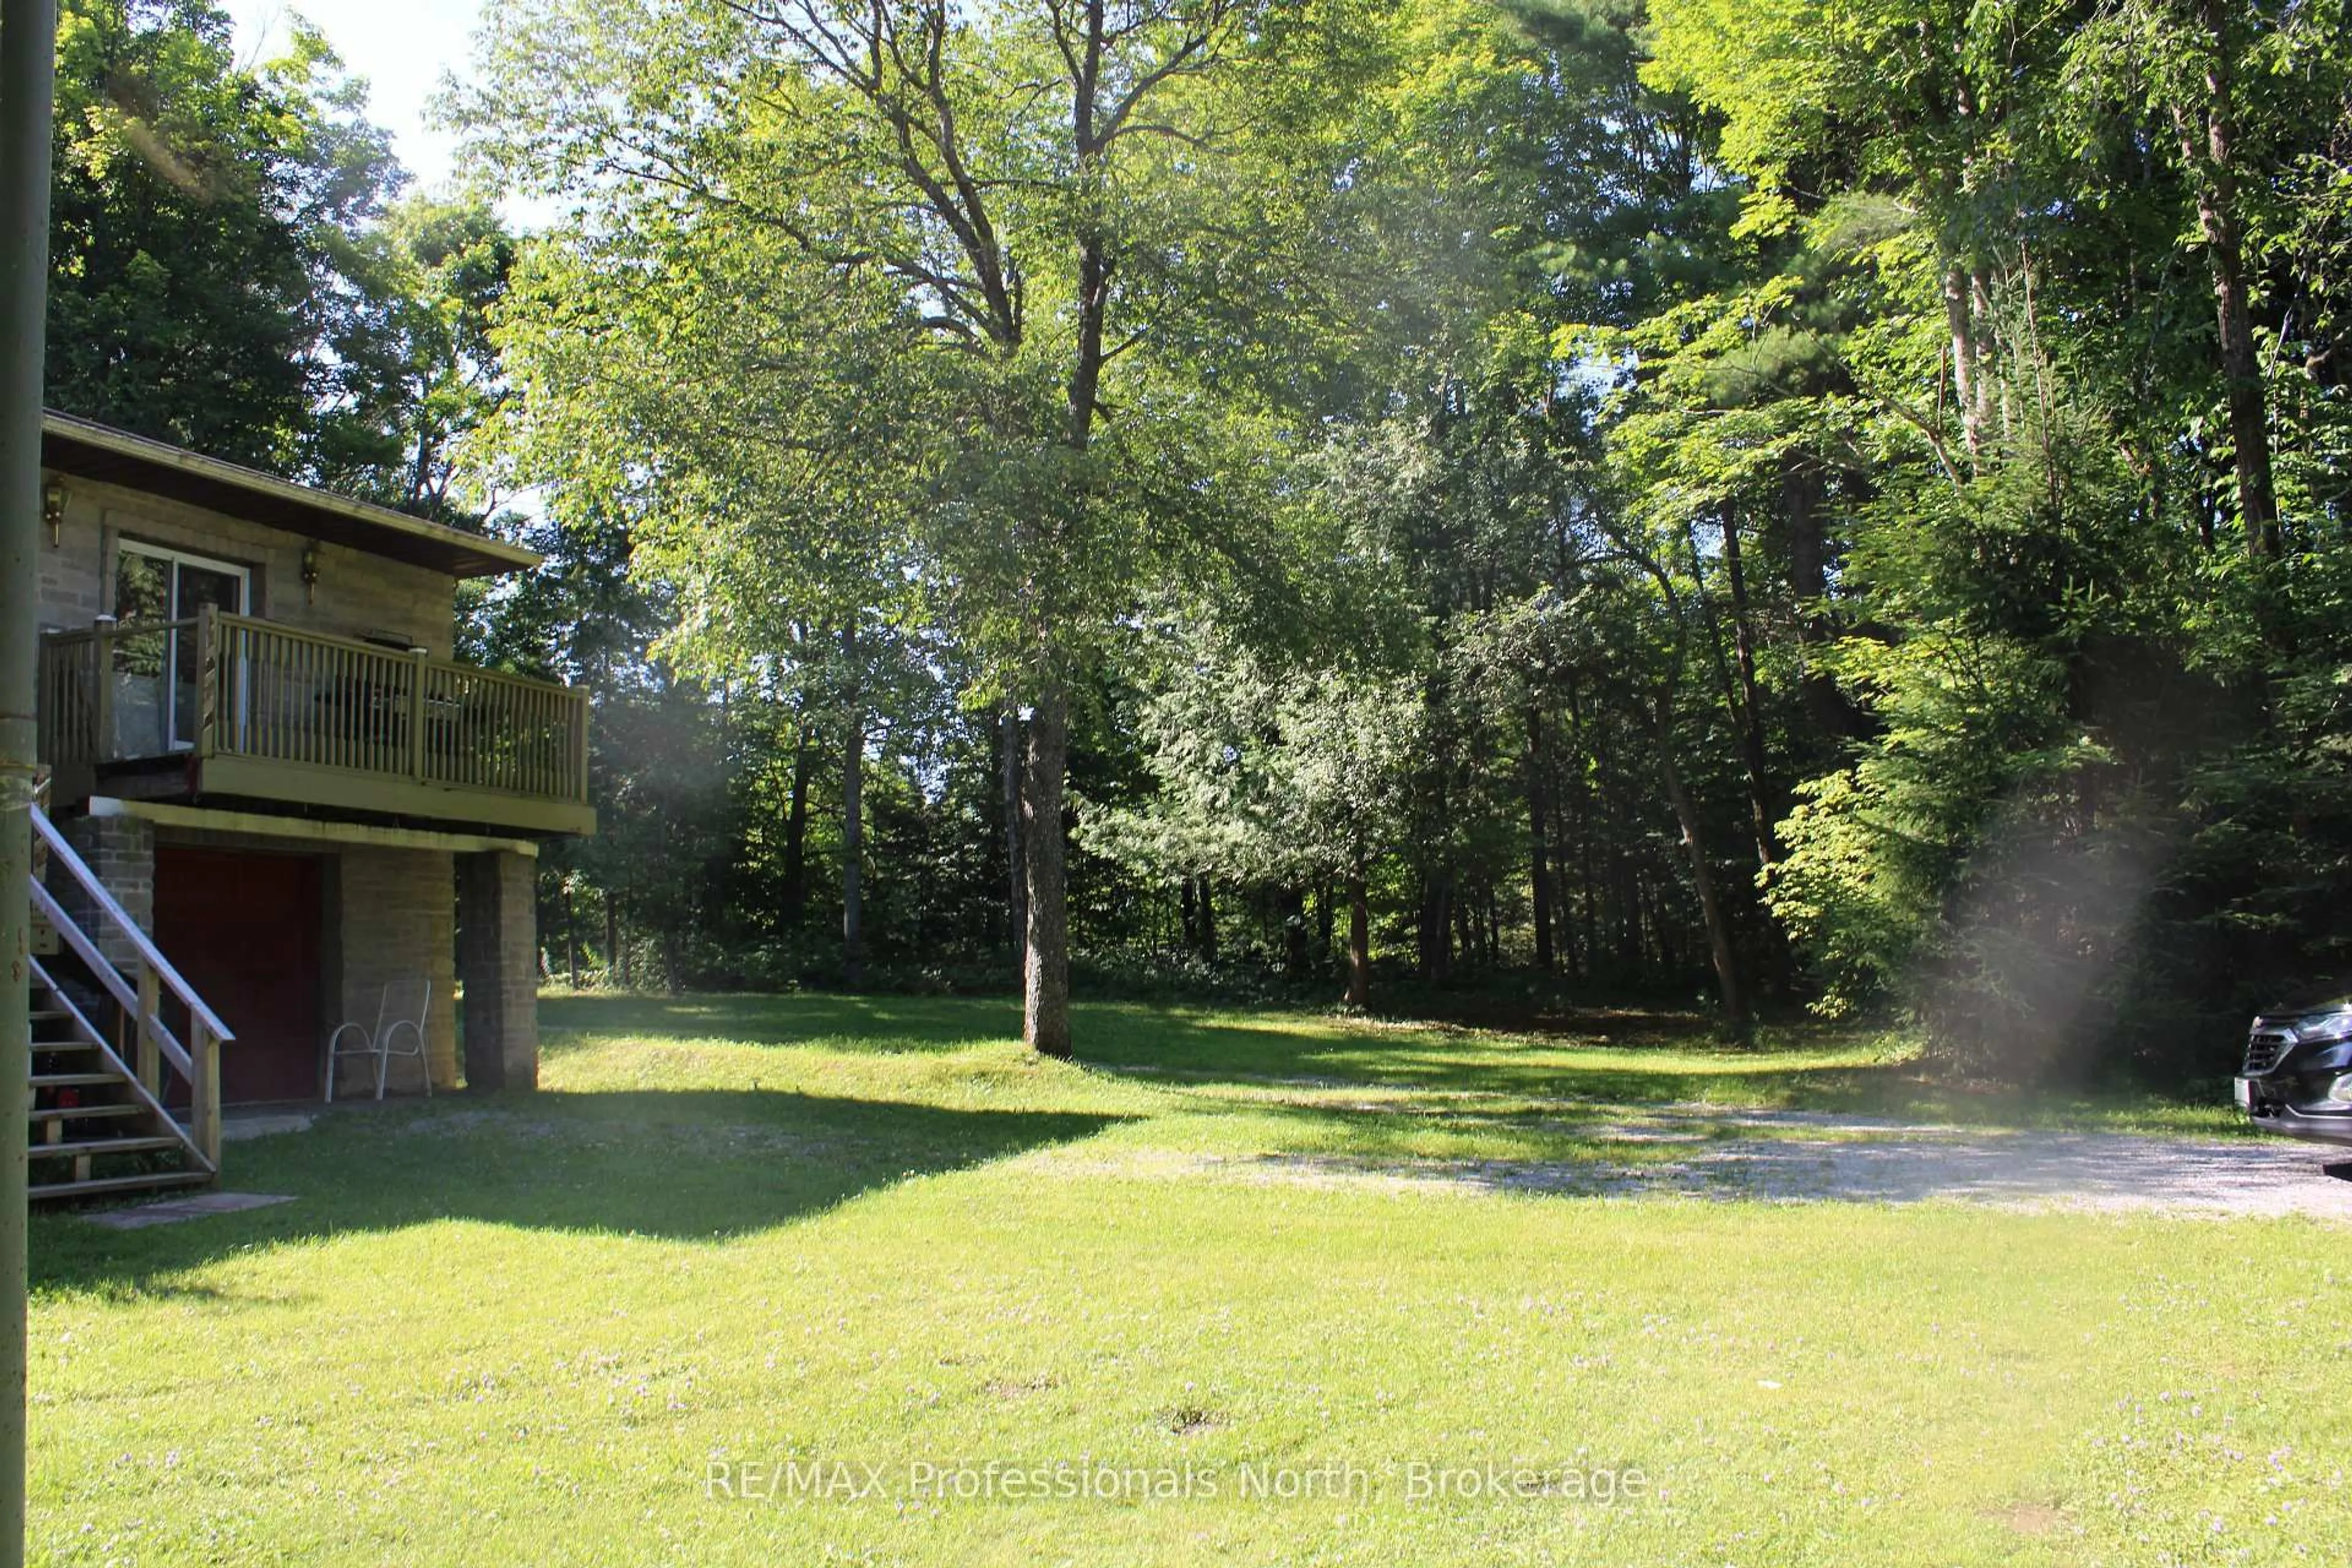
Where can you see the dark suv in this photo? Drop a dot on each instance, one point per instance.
(2298, 1073)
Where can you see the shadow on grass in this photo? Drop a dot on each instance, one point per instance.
(688, 1165)
(1597, 1054)
(1533, 1067)
(880, 1024)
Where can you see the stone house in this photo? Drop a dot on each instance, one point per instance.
(262, 751)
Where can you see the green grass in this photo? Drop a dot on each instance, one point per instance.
(522, 1330)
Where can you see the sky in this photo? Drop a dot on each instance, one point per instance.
(401, 47)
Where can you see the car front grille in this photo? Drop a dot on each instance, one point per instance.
(2263, 1050)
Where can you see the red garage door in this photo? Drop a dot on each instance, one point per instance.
(245, 931)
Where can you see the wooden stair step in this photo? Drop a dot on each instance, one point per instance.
(105, 1146)
(75, 1080)
(76, 1112)
(50, 1014)
(119, 1184)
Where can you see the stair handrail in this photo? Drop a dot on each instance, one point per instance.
(141, 943)
(41, 783)
(46, 905)
(199, 1060)
(142, 1092)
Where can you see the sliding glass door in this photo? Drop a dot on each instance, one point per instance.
(157, 594)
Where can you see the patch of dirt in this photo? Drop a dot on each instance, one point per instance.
(2033, 1519)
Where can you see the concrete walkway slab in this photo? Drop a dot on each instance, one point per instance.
(238, 1126)
(174, 1211)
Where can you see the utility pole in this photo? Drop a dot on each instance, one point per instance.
(27, 69)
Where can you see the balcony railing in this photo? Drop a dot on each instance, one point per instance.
(266, 710)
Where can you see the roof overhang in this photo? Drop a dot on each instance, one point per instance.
(78, 448)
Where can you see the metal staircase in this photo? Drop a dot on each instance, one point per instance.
(103, 1120)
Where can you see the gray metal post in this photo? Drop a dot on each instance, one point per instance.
(27, 65)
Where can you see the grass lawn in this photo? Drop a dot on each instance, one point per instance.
(736, 1232)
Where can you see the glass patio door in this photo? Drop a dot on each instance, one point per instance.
(156, 705)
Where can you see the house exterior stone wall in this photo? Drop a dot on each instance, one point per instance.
(396, 911)
(391, 916)
(497, 911)
(357, 595)
(121, 852)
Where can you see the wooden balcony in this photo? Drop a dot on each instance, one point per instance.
(227, 708)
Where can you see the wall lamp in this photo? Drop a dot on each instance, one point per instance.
(310, 574)
(53, 510)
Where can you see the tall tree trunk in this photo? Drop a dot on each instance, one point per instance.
(1751, 706)
(1584, 944)
(1294, 931)
(1806, 541)
(621, 944)
(1435, 927)
(2208, 146)
(1763, 801)
(1204, 905)
(1045, 973)
(1538, 841)
(570, 936)
(1045, 969)
(1323, 925)
(612, 941)
(1959, 321)
(1737, 699)
(1016, 925)
(1711, 911)
(796, 889)
(853, 848)
(1990, 387)
(1360, 941)
(1189, 904)
(1624, 884)
(1633, 934)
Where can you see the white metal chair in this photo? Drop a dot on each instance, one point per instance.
(382, 1041)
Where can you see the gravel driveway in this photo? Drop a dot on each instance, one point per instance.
(1802, 1157)
(1857, 1160)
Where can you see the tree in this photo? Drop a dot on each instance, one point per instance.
(200, 224)
(1266, 771)
(1747, 515)
(413, 372)
(1014, 268)
(1980, 308)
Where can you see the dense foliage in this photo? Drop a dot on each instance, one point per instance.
(1804, 503)
(234, 267)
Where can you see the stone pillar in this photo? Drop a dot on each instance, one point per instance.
(389, 922)
(497, 965)
(121, 851)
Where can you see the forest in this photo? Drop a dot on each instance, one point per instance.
(1833, 507)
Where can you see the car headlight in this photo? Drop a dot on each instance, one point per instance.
(2323, 1029)
(2340, 1091)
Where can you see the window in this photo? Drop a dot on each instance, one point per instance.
(156, 699)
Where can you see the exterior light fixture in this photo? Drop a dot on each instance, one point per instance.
(310, 574)
(53, 508)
